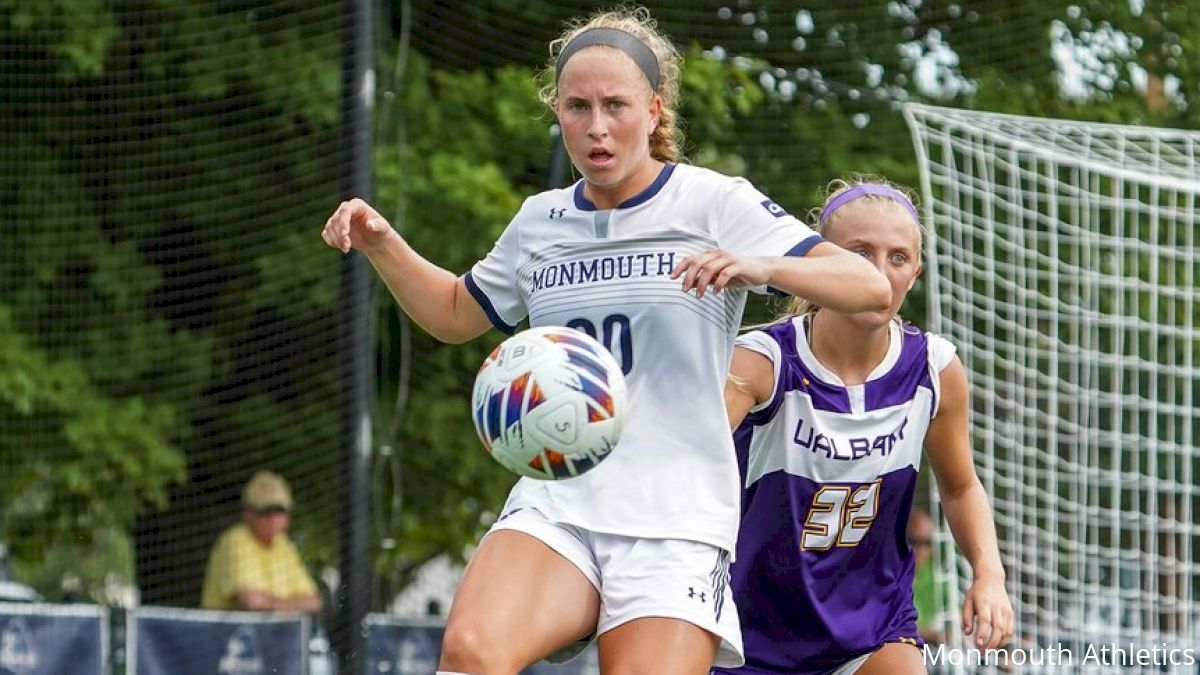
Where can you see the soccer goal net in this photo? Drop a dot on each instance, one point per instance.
(1062, 261)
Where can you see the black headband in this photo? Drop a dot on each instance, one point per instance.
(612, 37)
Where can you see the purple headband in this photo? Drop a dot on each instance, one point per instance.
(868, 190)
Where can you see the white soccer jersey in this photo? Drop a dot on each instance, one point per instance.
(562, 261)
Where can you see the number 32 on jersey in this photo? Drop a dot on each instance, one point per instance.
(840, 515)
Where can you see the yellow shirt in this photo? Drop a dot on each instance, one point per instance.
(239, 562)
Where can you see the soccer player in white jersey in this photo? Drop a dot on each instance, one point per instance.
(831, 410)
(653, 258)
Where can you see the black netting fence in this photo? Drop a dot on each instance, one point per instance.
(170, 321)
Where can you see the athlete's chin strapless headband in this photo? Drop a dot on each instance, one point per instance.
(619, 39)
(865, 190)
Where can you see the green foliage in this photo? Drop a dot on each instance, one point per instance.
(79, 414)
(715, 96)
(163, 178)
(60, 506)
(81, 30)
(476, 146)
(155, 160)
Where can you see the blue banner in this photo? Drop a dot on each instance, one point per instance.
(197, 642)
(37, 639)
(405, 647)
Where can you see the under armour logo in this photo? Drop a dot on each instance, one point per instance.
(557, 213)
(693, 594)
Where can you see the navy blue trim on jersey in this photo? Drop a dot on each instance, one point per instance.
(805, 246)
(785, 334)
(797, 251)
(584, 204)
(486, 304)
(897, 385)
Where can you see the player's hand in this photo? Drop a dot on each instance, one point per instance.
(719, 269)
(356, 225)
(987, 614)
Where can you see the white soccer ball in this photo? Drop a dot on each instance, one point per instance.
(548, 403)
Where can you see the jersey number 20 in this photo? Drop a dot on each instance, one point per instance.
(840, 515)
(614, 334)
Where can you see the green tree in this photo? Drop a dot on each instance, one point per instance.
(167, 329)
(78, 416)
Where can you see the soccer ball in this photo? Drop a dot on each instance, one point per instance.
(548, 403)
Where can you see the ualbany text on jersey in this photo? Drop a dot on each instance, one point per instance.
(860, 448)
(1111, 654)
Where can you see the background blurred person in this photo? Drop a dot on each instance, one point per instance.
(254, 565)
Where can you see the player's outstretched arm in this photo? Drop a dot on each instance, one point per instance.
(987, 612)
(750, 382)
(828, 275)
(435, 298)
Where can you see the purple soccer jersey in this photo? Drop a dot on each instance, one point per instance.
(824, 572)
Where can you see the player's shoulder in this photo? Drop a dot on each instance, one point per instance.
(549, 207)
(683, 178)
(934, 340)
(939, 348)
(690, 176)
(709, 189)
(547, 199)
(779, 336)
(785, 330)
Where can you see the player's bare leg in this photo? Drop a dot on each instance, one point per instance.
(657, 646)
(518, 602)
(895, 658)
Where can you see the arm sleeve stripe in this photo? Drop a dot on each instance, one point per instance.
(805, 246)
(796, 251)
(488, 308)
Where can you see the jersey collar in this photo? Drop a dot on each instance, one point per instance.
(804, 349)
(584, 204)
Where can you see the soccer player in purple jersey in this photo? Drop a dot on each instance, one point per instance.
(636, 551)
(831, 412)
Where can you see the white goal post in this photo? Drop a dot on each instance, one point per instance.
(1062, 261)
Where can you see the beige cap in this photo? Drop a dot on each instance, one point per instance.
(267, 490)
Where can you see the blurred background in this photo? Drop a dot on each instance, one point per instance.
(170, 321)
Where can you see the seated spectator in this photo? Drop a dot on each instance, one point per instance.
(254, 565)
